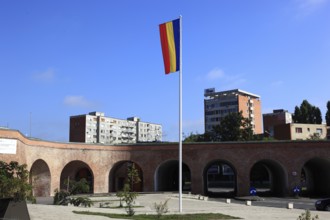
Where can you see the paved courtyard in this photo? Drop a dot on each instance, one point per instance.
(191, 204)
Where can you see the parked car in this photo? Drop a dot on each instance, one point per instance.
(323, 204)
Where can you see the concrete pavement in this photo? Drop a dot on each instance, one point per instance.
(191, 204)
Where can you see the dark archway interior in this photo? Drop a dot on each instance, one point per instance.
(315, 178)
(219, 180)
(167, 177)
(118, 177)
(268, 178)
(40, 179)
(77, 170)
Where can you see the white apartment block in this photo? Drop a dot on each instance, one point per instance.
(97, 128)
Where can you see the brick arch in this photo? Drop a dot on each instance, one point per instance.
(277, 176)
(220, 178)
(118, 176)
(315, 177)
(40, 178)
(166, 176)
(76, 170)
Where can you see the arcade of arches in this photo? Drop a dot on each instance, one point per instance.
(219, 177)
(213, 169)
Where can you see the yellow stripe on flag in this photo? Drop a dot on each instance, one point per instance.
(171, 46)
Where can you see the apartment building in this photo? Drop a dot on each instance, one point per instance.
(297, 131)
(95, 127)
(280, 126)
(278, 117)
(219, 104)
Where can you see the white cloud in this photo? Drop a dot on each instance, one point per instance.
(46, 76)
(311, 4)
(277, 83)
(77, 101)
(229, 81)
(214, 74)
(306, 7)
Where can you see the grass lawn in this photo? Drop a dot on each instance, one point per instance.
(205, 216)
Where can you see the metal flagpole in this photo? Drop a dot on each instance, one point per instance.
(180, 121)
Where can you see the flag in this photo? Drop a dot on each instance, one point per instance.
(170, 41)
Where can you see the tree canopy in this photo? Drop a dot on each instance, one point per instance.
(307, 114)
(327, 115)
(14, 181)
(195, 138)
(233, 127)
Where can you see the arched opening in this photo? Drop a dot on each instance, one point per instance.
(219, 179)
(167, 177)
(268, 178)
(315, 177)
(119, 176)
(77, 170)
(40, 178)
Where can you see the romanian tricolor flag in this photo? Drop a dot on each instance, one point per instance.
(170, 40)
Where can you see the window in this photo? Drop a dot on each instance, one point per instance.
(319, 130)
(298, 130)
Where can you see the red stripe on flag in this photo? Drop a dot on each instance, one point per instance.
(165, 50)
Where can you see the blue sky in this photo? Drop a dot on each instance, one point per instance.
(62, 58)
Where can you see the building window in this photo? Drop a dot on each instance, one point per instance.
(319, 131)
(298, 130)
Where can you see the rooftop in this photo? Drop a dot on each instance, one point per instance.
(211, 93)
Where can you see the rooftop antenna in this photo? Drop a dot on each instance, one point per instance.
(30, 122)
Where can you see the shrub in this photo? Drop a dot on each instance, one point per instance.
(84, 201)
(161, 208)
(62, 197)
(307, 216)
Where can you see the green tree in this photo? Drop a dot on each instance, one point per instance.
(233, 127)
(14, 181)
(133, 176)
(127, 194)
(327, 114)
(307, 114)
(77, 187)
(194, 138)
(297, 115)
